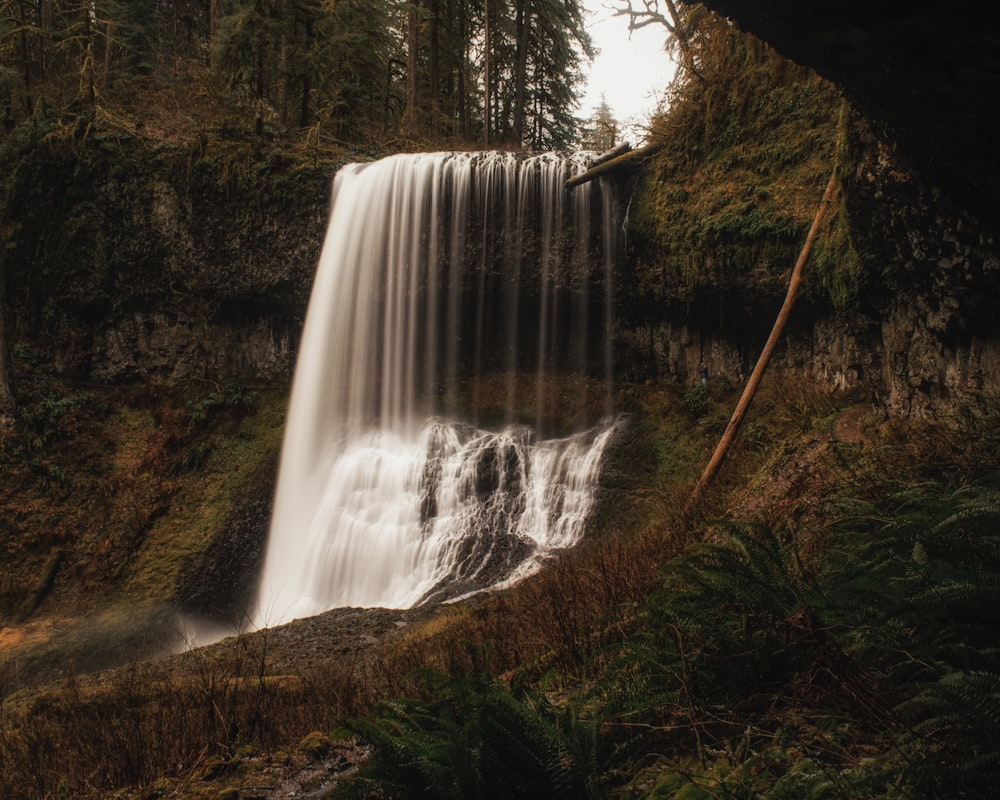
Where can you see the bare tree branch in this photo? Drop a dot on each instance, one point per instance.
(673, 21)
(765, 357)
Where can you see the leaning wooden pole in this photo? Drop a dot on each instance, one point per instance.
(758, 371)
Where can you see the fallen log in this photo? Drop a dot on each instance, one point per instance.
(607, 155)
(758, 371)
(606, 167)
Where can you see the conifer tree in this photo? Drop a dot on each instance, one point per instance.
(601, 131)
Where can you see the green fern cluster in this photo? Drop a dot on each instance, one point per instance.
(867, 671)
(470, 736)
(739, 640)
(936, 632)
(731, 618)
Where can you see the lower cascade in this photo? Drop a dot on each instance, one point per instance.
(451, 400)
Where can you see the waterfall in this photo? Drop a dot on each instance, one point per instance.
(460, 315)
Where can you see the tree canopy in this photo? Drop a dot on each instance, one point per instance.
(355, 72)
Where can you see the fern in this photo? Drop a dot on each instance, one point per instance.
(472, 737)
(930, 577)
(747, 602)
(929, 571)
(957, 722)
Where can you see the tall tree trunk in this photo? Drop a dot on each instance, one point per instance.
(88, 67)
(523, 27)
(305, 112)
(43, 15)
(109, 42)
(486, 77)
(463, 107)
(283, 77)
(772, 340)
(435, 66)
(412, 61)
(26, 61)
(214, 15)
(259, 120)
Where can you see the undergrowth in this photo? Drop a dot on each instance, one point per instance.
(842, 654)
(109, 496)
(869, 672)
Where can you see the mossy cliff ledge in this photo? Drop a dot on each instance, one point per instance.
(898, 302)
(130, 261)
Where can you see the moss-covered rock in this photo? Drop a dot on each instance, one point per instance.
(140, 261)
(315, 745)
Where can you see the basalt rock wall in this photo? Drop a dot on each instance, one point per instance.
(131, 263)
(921, 338)
(154, 267)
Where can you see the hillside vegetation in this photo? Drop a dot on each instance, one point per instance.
(822, 625)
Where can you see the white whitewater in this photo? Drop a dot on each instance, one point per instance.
(438, 269)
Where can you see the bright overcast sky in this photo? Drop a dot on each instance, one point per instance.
(631, 71)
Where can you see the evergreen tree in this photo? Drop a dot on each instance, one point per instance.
(355, 57)
(601, 131)
(247, 54)
(496, 70)
(558, 46)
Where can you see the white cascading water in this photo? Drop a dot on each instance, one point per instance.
(439, 269)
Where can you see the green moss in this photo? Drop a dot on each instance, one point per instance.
(744, 156)
(205, 500)
(315, 745)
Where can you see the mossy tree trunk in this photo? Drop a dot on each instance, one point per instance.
(6, 396)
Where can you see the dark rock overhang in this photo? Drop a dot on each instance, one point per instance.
(929, 72)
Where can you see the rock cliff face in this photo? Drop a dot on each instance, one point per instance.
(146, 270)
(921, 340)
(928, 77)
(939, 346)
(133, 266)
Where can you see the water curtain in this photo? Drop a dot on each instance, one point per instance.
(443, 434)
